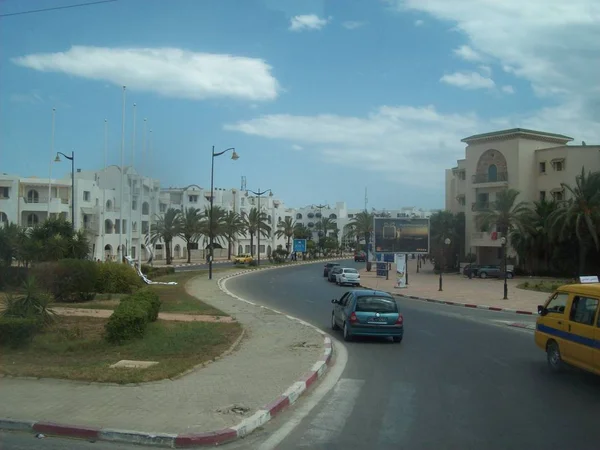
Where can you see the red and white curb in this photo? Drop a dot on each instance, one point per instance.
(211, 438)
(465, 305)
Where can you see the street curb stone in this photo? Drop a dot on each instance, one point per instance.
(212, 438)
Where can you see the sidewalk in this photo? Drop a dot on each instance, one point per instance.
(457, 288)
(274, 355)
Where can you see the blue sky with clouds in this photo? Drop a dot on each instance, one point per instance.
(320, 97)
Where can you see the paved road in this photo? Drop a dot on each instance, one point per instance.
(459, 380)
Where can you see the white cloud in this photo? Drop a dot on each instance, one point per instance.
(404, 144)
(508, 89)
(468, 80)
(418, 23)
(307, 22)
(467, 53)
(297, 147)
(352, 24)
(170, 72)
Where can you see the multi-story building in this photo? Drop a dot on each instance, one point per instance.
(535, 163)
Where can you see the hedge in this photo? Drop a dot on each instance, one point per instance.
(17, 331)
(12, 277)
(117, 278)
(131, 317)
(151, 272)
(68, 280)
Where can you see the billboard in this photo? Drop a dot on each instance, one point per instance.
(401, 235)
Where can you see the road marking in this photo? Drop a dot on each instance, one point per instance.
(312, 400)
(331, 420)
(399, 415)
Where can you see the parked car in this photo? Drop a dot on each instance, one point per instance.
(332, 277)
(347, 275)
(328, 267)
(360, 257)
(243, 259)
(486, 271)
(362, 312)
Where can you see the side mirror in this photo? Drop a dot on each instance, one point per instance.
(334, 300)
(542, 311)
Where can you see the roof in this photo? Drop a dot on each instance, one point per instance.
(585, 289)
(523, 132)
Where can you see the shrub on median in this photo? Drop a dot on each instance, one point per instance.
(153, 272)
(130, 319)
(68, 280)
(12, 277)
(116, 278)
(149, 298)
(17, 331)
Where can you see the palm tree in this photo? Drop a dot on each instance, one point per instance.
(233, 225)
(256, 222)
(167, 227)
(191, 220)
(361, 226)
(286, 228)
(301, 231)
(216, 230)
(580, 214)
(505, 214)
(443, 225)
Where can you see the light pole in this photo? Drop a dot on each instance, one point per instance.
(235, 157)
(51, 153)
(72, 159)
(503, 242)
(258, 194)
(447, 242)
(322, 233)
(121, 208)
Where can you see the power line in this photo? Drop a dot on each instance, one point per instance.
(77, 5)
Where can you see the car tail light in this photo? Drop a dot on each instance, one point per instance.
(353, 318)
(400, 320)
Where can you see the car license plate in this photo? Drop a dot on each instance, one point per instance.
(378, 319)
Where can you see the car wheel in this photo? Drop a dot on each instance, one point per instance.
(347, 335)
(509, 275)
(397, 338)
(334, 326)
(483, 275)
(555, 361)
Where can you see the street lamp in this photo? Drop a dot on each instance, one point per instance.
(503, 242)
(258, 194)
(447, 242)
(235, 157)
(72, 159)
(322, 233)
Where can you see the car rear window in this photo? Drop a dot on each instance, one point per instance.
(350, 271)
(376, 304)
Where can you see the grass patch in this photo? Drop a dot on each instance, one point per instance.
(74, 349)
(544, 285)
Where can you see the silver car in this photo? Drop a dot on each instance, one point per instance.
(347, 275)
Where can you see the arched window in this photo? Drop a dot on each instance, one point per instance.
(492, 173)
(33, 196)
(32, 220)
(3, 217)
(298, 216)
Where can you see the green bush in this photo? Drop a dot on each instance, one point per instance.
(31, 304)
(153, 272)
(17, 331)
(116, 278)
(150, 301)
(68, 280)
(253, 263)
(12, 277)
(128, 321)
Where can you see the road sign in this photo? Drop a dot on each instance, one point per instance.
(300, 245)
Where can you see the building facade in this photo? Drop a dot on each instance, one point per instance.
(534, 163)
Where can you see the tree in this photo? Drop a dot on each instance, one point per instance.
(302, 232)
(579, 215)
(505, 214)
(361, 226)
(233, 225)
(191, 221)
(444, 225)
(286, 228)
(167, 227)
(216, 230)
(256, 222)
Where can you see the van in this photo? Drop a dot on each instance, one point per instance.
(568, 327)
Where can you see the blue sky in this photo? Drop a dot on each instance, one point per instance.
(320, 97)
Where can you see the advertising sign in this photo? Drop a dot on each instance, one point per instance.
(400, 270)
(401, 235)
(299, 245)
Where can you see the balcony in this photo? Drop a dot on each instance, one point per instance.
(485, 178)
(486, 239)
(40, 203)
(92, 227)
(480, 206)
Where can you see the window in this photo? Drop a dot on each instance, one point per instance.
(87, 196)
(462, 175)
(542, 196)
(461, 201)
(32, 220)
(376, 304)
(558, 196)
(145, 226)
(558, 303)
(559, 166)
(118, 226)
(33, 196)
(261, 248)
(344, 300)
(4, 191)
(247, 249)
(193, 198)
(543, 167)
(134, 205)
(583, 310)
(163, 207)
(3, 217)
(350, 271)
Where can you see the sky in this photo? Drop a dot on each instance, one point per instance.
(320, 98)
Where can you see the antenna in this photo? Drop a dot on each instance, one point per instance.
(243, 187)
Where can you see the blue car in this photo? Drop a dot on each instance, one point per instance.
(362, 312)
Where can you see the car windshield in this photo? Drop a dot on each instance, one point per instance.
(350, 271)
(376, 304)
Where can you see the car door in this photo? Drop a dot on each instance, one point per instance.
(597, 345)
(339, 307)
(581, 331)
(553, 324)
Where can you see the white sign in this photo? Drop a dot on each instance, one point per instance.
(400, 260)
(588, 279)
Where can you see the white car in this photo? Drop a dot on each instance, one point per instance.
(348, 275)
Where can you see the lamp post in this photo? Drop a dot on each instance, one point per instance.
(235, 157)
(503, 242)
(447, 242)
(258, 194)
(322, 233)
(72, 159)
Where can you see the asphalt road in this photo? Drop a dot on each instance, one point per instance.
(459, 380)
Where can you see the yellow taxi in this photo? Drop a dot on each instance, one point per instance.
(243, 259)
(568, 327)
